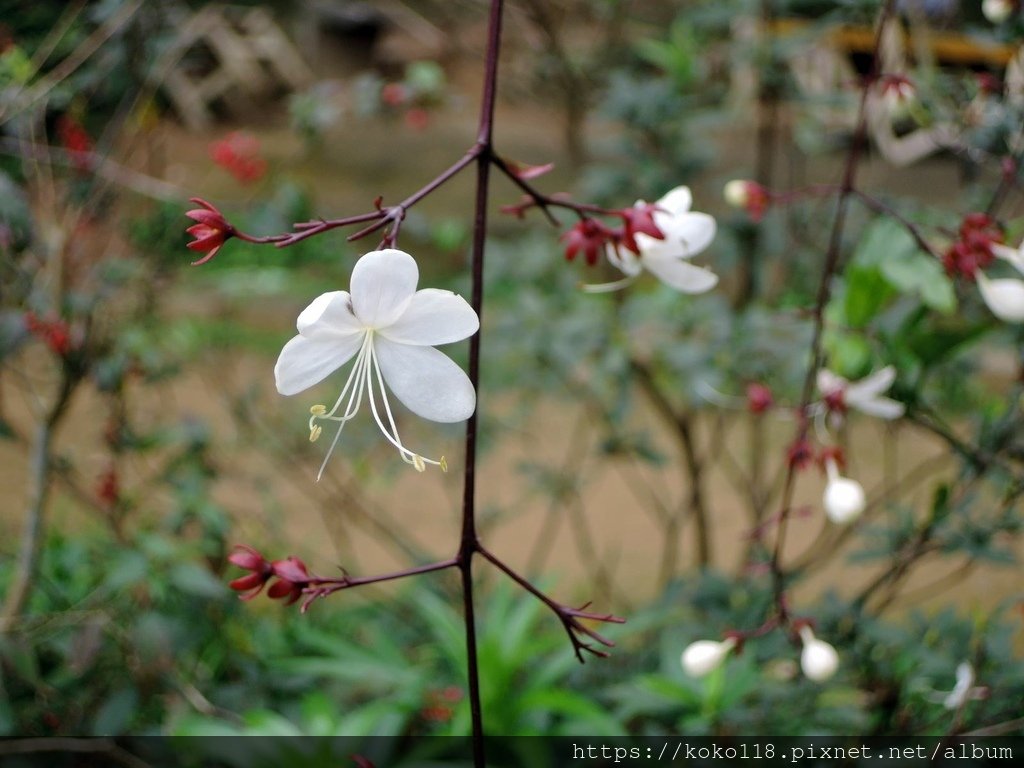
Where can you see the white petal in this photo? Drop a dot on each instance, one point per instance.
(829, 382)
(304, 362)
(682, 275)
(1005, 297)
(871, 386)
(623, 259)
(427, 382)
(1014, 256)
(434, 317)
(382, 285)
(686, 235)
(329, 314)
(676, 201)
(880, 407)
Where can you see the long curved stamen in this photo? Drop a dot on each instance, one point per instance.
(320, 412)
(607, 287)
(355, 399)
(373, 369)
(360, 380)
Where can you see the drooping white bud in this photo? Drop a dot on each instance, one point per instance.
(705, 656)
(1004, 296)
(818, 660)
(997, 11)
(844, 498)
(737, 193)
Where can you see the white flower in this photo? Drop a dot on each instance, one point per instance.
(964, 690)
(705, 656)
(818, 660)
(687, 233)
(844, 498)
(997, 11)
(390, 329)
(864, 395)
(1005, 295)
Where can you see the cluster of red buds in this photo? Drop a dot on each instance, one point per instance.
(54, 333)
(74, 138)
(972, 249)
(593, 237)
(210, 231)
(399, 96)
(802, 454)
(239, 154)
(439, 706)
(290, 575)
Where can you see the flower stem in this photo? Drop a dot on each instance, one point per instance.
(847, 190)
(483, 153)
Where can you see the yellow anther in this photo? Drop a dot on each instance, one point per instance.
(314, 433)
(443, 464)
(318, 410)
(417, 461)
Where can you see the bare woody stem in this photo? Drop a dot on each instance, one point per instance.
(832, 259)
(40, 472)
(469, 543)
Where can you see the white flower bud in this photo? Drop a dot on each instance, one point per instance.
(705, 656)
(997, 11)
(844, 498)
(818, 660)
(737, 193)
(1004, 296)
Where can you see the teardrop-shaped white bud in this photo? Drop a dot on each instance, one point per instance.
(997, 11)
(818, 660)
(844, 500)
(705, 656)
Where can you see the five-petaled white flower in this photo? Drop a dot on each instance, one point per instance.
(391, 329)
(864, 395)
(687, 233)
(1004, 295)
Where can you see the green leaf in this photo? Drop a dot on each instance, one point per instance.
(890, 248)
(115, 715)
(866, 293)
(194, 579)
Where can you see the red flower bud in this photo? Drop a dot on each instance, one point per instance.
(108, 487)
(249, 559)
(639, 219)
(759, 398)
(55, 334)
(749, 195)
(210, 231)
(800, 454)
(291, 569)
(589, 236)
(834, 454)
(239, 154)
